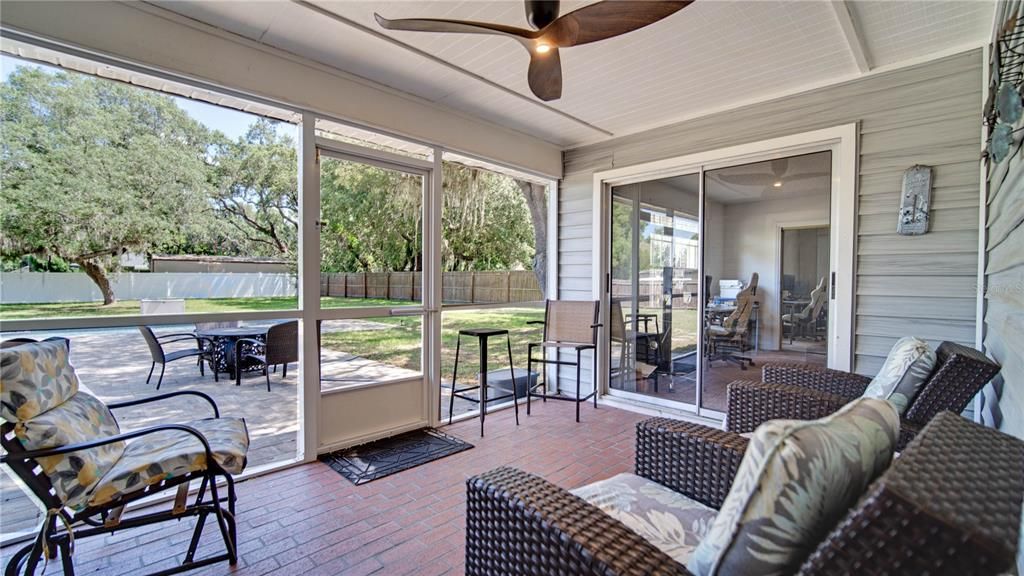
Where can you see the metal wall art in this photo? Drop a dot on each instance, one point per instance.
(1006, 101)
(915, 199)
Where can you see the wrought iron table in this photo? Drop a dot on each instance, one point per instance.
(223, 346)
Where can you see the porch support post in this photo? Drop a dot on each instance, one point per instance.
(309, 290)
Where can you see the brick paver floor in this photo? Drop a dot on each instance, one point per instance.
(310, 521)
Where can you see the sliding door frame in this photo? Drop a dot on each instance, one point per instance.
(841, 141)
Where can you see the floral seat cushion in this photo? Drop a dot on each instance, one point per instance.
(167, 454)
(667, 519)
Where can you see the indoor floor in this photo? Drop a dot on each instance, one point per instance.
(682, 388)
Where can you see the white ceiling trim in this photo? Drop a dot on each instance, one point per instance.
(853, 37)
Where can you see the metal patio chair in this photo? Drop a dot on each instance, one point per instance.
(66, 446)
(281, 347)
(568, 326)
(203, 351)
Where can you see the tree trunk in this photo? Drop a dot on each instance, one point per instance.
(98, 274)
(537, 200)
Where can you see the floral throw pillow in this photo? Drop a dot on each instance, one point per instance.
(904, 373)
(796, 481)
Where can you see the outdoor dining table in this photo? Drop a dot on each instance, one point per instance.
(223, 343)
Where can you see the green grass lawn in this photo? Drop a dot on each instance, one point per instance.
(192, 305)
(398, 346)
(401, 345)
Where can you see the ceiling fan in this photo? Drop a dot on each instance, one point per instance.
(598, 21)
(776, 179)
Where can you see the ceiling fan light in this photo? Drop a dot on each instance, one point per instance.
(543, 48)
(777, 184)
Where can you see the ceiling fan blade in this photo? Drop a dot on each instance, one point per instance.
(607, 19)
(747, 179)
(779, 167)
(460, 26)
(545, 75)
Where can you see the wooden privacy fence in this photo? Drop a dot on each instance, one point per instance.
(468, 287)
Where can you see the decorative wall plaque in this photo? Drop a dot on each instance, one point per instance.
(915, 200)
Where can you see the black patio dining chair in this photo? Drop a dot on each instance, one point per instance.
(281, 347)
(203, 351)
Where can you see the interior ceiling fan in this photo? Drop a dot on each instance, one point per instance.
(777, 178)
(598, 21)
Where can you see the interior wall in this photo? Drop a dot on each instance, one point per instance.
(146, 35)
(905, 285)
(752, 244)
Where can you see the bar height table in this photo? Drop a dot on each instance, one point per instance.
(482, 334)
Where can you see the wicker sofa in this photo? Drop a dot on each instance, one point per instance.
(806, 392)
(950, 504)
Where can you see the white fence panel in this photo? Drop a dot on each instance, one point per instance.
(40, 287)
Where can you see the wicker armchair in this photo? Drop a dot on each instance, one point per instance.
(807, 392)
(955, 494)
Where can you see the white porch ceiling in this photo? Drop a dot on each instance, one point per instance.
(712, 55)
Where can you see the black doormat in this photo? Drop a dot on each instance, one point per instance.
(380, 458)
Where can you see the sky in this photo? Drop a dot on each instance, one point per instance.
(232, 123)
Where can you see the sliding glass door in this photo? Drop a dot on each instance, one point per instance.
(711, 274)
(654, 277)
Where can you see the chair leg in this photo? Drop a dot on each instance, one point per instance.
(578, 375)
(150, 377)
(595, 377)
(455, 371)
(196, 534)
(529, 386)
(512, 372)
(160, 380)
(284, 370)
(222, 522)
(202, 369)
(267, 374)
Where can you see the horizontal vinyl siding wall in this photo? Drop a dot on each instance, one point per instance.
(1003, 399)
(927, 114)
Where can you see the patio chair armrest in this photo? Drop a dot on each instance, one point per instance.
(69, 448)
(163, 339)
(240, 341)
(518, 523)
(157, 397)
(908, 431)
(598, 325)
(541, 322)
(847, 384)
(692, 459)
(750, 404)
(582, 347)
